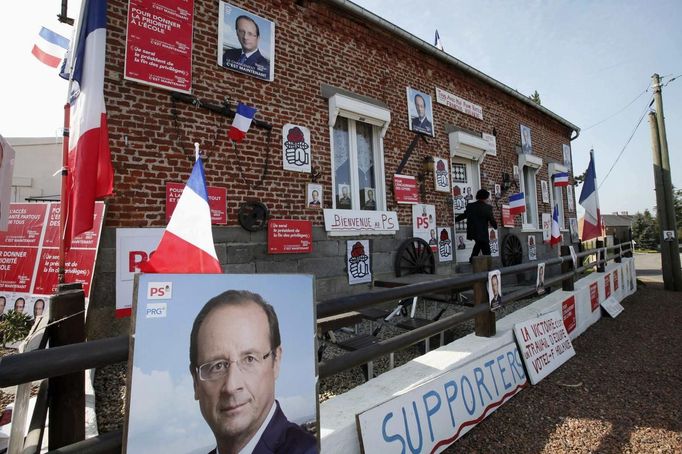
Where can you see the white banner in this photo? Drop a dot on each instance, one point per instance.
(459, 104)
(350, 222)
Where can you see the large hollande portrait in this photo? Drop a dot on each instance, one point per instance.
(420, 112)
(222, 362)
(246, 42)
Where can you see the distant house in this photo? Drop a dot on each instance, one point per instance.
(618, 225)
(37, 159)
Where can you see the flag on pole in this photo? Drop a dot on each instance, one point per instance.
(91, 174)
(517, 204)
(187, 244)
(589, 199)
(50, 47)
(437, 42)
(241, 123)
(556, 232)
(560, 179)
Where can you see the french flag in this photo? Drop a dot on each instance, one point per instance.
(517, 204)
(560, 179)
(437, 42)
(556, 232)
(241, 123)
(50, 47)
(91, 174)
(589, 199)
(187, 244)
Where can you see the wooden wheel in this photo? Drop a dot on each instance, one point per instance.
(414, 256)
(512, 250)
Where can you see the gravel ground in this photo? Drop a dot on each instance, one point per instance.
(621, 393)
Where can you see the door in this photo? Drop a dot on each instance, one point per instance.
(465, 184)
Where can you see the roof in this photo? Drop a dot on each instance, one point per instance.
(617, 220)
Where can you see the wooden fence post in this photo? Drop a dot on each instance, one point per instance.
(484, 324)
(601, 256)
(66, 393)
(566, 266)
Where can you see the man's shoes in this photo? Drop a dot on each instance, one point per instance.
(471, 260)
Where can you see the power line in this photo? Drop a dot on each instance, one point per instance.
(665, 84)
(646, 110)
(613, 115)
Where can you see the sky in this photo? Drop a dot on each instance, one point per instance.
(587, 60)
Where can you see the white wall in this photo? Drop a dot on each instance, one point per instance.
(36, 161)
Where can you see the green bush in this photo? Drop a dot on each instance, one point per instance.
(14, 327)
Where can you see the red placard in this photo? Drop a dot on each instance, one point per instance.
(615, 280)
(217, 201)
(16, 268)
(607, 285)
(159, 43)
(594, 296)
(86, 240)
(507, 218)
(25, 225)
(288, 236)
(405, 189)
(568, 311)
(79, 264)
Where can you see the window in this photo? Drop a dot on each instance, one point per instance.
(529, 165)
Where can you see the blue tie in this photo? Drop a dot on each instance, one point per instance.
(242, 59)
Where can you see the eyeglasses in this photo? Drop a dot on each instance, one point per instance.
(248, 364)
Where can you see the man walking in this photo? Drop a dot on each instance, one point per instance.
(478, 214)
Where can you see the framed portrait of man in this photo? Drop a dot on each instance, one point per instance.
(222, 363)
(420, 112)
(494, 290)
(246, 42)
(314, 196)
(526, 143)
(343, 198)
(540, 280)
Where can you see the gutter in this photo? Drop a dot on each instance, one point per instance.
(435, 52)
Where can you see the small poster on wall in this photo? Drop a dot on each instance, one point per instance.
(546, 227)
(441, 175)
(569, 197)
(495, 290)
(424, 224)
(358, 261)
(567, 155)
(494, 242)
(515, 172)
(545, 191)
(405, 189)
(507, 218)
(461, 196)
(540, 281)
(532, 248)
(314, 196)
(526, 144)
(445, 244)
(573, 227)
(420, 110)
(296, 153)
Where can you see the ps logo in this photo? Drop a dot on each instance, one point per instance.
(159, 290)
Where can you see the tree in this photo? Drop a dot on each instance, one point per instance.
(535, 97)
(645, 230)
(14, 327)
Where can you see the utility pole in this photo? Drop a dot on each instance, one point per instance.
(670, 250)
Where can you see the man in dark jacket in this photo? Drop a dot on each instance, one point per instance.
(478, 214)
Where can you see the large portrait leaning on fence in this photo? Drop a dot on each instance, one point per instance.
(246, 42)
(235, 354)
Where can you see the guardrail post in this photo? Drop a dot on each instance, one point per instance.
(484, 324)
(566, 266)
(601, 257)
(67, 392)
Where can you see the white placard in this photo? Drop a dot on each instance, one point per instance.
(546, 227)
(491, 140)
(445, 244)
(358, 261)
(494, 290)
(296, 150)
(545, 191)
(668, 235)
(612, 306)
(574, 257)
(133, 246)
(532, 248)
(455, 102)
(493, 237)
(544, 344)
(441, 174)
(424, 224)
(350, 222)
(444, 408)
(540, 279)
(569, 198)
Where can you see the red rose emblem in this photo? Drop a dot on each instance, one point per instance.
(295, 135)
(358, 250)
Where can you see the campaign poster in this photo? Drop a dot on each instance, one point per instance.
(217, 201)
(545, 191)
(569, 198)
(568, 314)
(540, 279)
(420, 112)
(441, 174)
(445, 244)
(507, 218)
(566, 149)
(290, 236)
(358, 262)
(86, 240)
(314, 196)
(532, 248)
(526, 143)
(546, 227)
(494, 238)
(462, 195)
(16, 268)
(494, 290)
(169, 386)
(246, 42)
(159, 43)
(296, 150)
(594, 296)
(424, 224)
(573, 227)
(405, 189)
(25, 225)
(79, 266)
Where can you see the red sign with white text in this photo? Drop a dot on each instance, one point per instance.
(159, 43)
(568, 311)
(16, 268)
(607, 285)
(217, 201)
(615, 280)
(288, 236)
(594, 296)
(79, 266)
(25, 225)
(507, 218)
(86, 240)
(405, 189)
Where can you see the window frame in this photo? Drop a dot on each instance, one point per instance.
(553, 168)
(533, 163)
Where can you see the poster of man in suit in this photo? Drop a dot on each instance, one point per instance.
(420, 112)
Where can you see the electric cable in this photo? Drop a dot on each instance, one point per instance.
(613, 115)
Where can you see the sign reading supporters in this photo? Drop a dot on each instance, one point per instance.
(544, 344)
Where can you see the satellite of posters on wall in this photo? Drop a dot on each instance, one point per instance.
(358, 262)
(246, 42)
(296, 151)
(526, 144)
(444, 244)
(420, 112)
(441, 174)
(172, 392)
(424, 224)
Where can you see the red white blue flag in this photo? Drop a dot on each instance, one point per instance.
(187, 244)
(560, 179)
(556, 232)
(590, 201)
(437, 42)
(50, 47)
(241, 123)
(91, 174)
(517, 204)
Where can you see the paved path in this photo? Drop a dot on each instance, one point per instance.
(649, 267)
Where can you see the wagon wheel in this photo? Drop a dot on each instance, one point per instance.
(512, 251)
(414, 256)
(253, 216)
